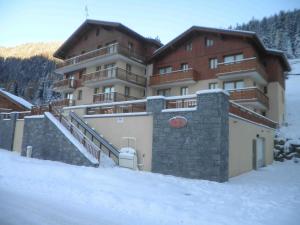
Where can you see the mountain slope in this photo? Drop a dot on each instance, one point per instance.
(26, 70)
(292, 128)
(281, 31)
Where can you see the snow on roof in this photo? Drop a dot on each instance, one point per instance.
(17, 99)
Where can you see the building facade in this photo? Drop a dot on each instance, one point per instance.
(108, 62)
(103, 62)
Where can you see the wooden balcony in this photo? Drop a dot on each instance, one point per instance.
(251, 95)
(96, 78)
(63, 102)
(102, 52)
(111, 97)
(66, 85)
(249, 67)
(245, 113)
(176, 76)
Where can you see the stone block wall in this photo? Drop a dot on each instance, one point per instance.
(49, 143)
(199, 149)
(7, 130)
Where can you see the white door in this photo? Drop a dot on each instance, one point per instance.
(260, 152)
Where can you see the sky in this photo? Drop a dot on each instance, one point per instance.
(55, 20)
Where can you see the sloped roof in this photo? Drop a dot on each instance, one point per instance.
(86, 26)
(238, 33)
(18, 100)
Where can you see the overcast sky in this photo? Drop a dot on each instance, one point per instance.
(23, 21)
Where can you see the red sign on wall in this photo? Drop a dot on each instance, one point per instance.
(178, 122)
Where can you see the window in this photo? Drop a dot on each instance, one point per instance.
(69, 96)
(233, 58)
(265, 89)
(189, 46)
(111, 47)
(213, 63)
(163, 92)
(99, 46)
(80, 74)
(79, 97)
(110, 70)
(165, 70)
(263, 113)
(127, 91)
(209, 42)
(109, 89)
(184, 91)
(96, 90)
(86, 37)
(128, 67)
(130, 47)
(98, 68)
(184, 66)
(98, 31)
(213, 85)
(229, 85)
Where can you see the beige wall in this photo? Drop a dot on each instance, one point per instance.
(17, 146)
(276, 96)
(115, 128)
(241, 135)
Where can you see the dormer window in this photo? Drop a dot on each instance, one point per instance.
(189, 47)
(209, 42)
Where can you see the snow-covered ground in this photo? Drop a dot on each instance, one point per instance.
(37, 192)
(292, 99)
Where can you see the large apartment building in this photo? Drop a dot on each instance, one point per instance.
(106, 62)
(103, 62)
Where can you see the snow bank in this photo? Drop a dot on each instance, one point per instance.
(35, 192)
(292, 96)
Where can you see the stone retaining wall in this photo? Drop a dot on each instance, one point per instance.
(197, 150)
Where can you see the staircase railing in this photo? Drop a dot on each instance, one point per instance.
(95, 138)
(91, 147)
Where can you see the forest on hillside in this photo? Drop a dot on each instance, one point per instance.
(280, 31)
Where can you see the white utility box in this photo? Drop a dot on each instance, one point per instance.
(128, 158)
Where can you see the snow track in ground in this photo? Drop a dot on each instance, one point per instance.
(36, 192)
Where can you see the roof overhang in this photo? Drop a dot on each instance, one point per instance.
(252, 36)
(88, 24)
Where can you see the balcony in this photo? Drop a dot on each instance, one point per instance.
(101, 53)
(241, 69)
(66, 85)
(111, 97)
(187, 76)
(63, 103)
(113, 74)
(250, 96)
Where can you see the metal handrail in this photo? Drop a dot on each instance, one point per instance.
(93, 149)
(95, 136)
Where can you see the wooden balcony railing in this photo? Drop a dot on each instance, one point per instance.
(63, 102)
(248, 95)
(245, 113)
(249, 64)
(176, 76)
(107, 50)
(70, 83)
(111, 97)
(117, 73)
(118, 107)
